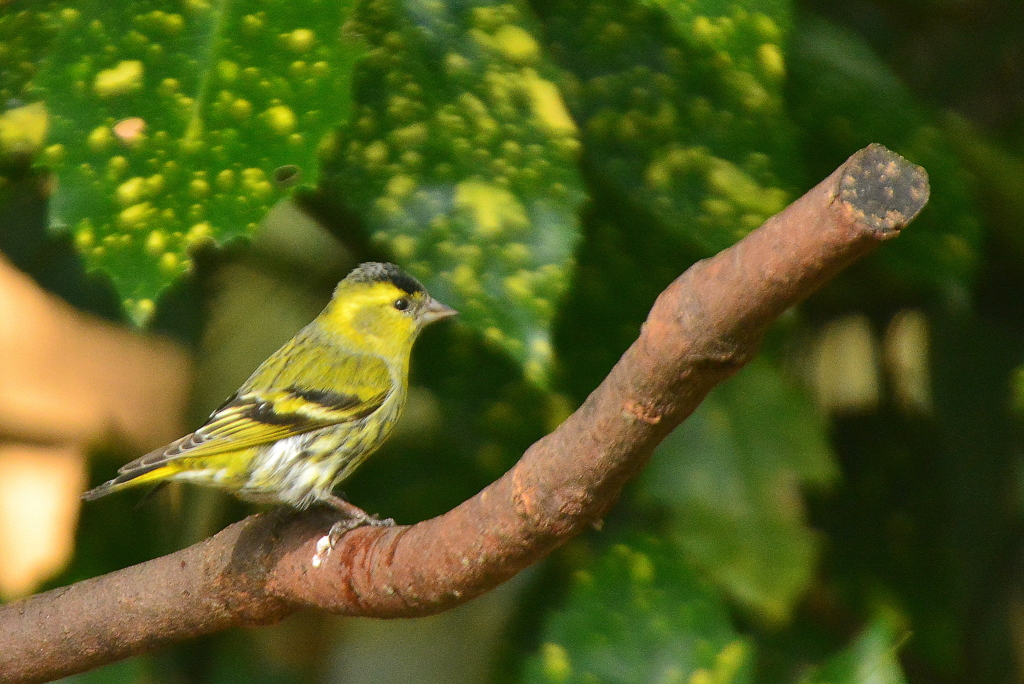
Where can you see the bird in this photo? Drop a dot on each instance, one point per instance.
(314, 410)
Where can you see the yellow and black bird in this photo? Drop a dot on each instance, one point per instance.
(314, 410)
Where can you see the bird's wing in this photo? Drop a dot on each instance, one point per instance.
(254, 417)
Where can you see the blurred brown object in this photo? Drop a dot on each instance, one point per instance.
(68, 382)
(39, 488)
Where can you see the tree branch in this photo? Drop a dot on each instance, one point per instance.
(702, 329)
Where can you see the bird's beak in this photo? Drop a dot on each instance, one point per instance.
(435, 311)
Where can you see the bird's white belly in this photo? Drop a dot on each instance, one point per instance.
(274, 460)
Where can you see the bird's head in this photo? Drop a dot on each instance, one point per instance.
(383, 307)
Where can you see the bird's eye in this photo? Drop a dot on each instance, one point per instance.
(402, 304)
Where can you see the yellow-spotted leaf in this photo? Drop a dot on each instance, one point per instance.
(638, 614)
(177, 123)
(461, 159)
(25, 38)
(681, 110)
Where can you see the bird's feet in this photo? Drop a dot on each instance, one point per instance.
(354, 517)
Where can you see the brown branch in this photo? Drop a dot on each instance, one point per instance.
(703, 328)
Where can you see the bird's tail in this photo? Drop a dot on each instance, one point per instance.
(132, 478)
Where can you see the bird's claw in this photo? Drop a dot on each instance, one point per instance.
(326, 543)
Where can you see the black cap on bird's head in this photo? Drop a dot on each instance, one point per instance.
(381, 272)
(412, 297)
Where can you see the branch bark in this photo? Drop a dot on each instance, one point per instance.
(702, 329)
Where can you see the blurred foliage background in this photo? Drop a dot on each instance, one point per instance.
(847, 509)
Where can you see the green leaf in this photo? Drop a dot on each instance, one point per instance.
(24, 39)
(172, 123)
(846, 97)
(681, 108)
(22, 133)
(730, 476)
(872, 657)
(639, 614)
(461, 160)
